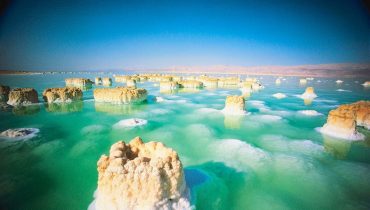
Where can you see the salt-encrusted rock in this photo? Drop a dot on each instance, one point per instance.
(176, 78)
(190, 84)
(309, 93)
(19, 133)
(139, 176)
(210, 82)
(66, 94)
(106, 81)
(120, 95)
(342, 121)
(230, 81)
(78, 82)
(98, 81)
(168, 85)
(366, 84)
(234, 105)
(122, 78)
(4, 93)
(131, 83)
(22, 96)
(302, 81)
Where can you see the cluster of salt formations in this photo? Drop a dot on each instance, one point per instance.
(190, 84)
(120, 95)
(19, 133)
(234, 105)
(342, 121)
(140, 176)
(302, 81)
(98, 81)
(228, 81)
(278, 81)
(309, 93)
(125, 78)
(168, 85)
(66, 94)
(22, 96)
(4, 93)
(106, 81)
(78, 82)
(366, 84)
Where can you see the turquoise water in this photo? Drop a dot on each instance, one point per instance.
(271, 159)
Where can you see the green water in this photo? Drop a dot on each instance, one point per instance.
(271, 159)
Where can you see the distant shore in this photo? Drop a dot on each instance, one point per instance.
(320, 70)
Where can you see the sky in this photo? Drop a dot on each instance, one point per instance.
(106, 35)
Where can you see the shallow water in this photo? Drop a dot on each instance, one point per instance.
(272, 158)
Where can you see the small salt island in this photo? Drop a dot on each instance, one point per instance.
(58, 95)
(120, 95)
(22, 96)
(309, 93)
(234, 105)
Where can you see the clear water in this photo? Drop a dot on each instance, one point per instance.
(271, 159)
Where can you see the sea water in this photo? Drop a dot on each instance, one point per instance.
(272, 158)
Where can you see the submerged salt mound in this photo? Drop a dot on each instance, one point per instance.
(120, 95)
(309, 112)
(22, 96)
(17, 134)
(4, 93)
(279, 95)
(339, 81)
(309, 93)
(366, 84)
(234, 105)
(341, 90)
(140, 176)
(130, 123)
(342, 122)
(66, 94)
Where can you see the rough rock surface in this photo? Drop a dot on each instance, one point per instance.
(234, 105)
(120, 95)
(122, 78)
(309, 93)
(22, 96)
(78, 82)
(168, 85)
(4, 93)
(19, 133)
(140, 176)
(106, 81)
(98, 81)
(66, 94)
(190, 84)
(342, 122)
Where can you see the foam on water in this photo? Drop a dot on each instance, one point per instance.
(130, 123)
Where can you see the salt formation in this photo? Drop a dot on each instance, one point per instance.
(366, 84)
(339, 81)
(309, 112)
(278, 81)
(309, 93)
(168, 85)
(19, 133)
(234, 105)
(342, 121)
(4, 93)
(210, 82)
(122, 78)
(106, 81)
(98, 81)
(229, 81)
(78, 82)
(279, 95)
(302, 81)
(120, 95)
(22, 96)
(190, 84)
(140, 176)
(131, 83)
(130, 123)
(66, 94)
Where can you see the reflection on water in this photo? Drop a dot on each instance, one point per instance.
(339, 148)
(308, 101)
(75, 106)
(125, 109)
(168, 91)
(189, 90)
(233, 121)
(82, 87)
(26, 110)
